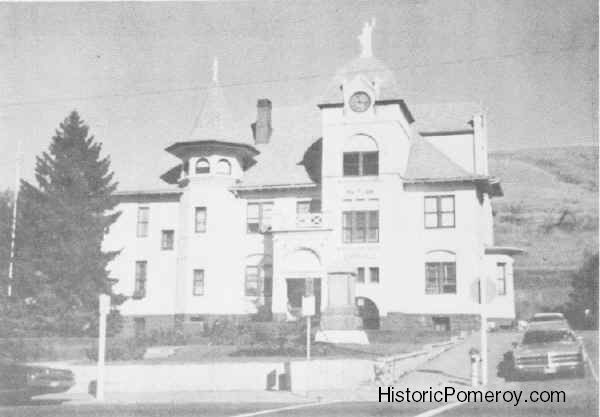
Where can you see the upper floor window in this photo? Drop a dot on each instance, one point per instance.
(143, 219)
(308, 206)
(258, 217)
(361, 156)
(198, 283)
(167, 239)
(501, 278)
(439, 211)
(373, 275)
(141, 270)
(200, 220)
(360, 226)
(202, 166)
(223, 167)
(357, 164)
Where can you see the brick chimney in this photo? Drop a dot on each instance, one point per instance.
(262, 128)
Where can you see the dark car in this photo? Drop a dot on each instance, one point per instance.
(20, 382)
(548, 318)
(549, 350)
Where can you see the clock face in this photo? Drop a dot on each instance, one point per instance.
(360, 101)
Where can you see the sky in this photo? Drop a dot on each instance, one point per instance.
(138, 72)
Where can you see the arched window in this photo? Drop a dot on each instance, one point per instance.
(223, 167)
(202, 166)
(440, 272)
(361, 156)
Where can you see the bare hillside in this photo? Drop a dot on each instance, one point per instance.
(550, 204)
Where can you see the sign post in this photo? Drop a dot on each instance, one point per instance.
(484, 330)
(104, 306)
(308, 310)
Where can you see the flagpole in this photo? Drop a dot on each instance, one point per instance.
(13, 233)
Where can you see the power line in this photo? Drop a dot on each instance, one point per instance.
(286, 79)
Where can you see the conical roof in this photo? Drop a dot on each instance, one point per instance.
(215, 121)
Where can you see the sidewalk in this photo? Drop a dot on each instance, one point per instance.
(180, 397)
(453, 368)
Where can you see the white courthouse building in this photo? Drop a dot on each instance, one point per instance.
(380, 209)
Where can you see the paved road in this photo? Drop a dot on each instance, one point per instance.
(448, 370)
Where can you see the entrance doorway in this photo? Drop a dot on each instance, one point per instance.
(368, 312)
(300, 287)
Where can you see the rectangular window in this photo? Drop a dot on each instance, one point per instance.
(360, 226)
(370, 163)
(141, 271)
(439, 212)
(167, 239)
(143, 219)
(360, 278)
(303, 207)
(357, 164)
(200, 220)
(501, 278)
(198, 284)
(351, 164)
(440, 278)
(374, 275)
(258, 217)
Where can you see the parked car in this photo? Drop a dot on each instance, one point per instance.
(20, 382)
(548, 318)
(548, 350)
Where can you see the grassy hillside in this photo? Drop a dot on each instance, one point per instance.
(550, 204)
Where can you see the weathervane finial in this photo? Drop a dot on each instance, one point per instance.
(366, 39)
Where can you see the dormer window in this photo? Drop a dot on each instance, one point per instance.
(223, 167)
(202, 166)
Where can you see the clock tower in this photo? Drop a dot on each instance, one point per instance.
(366, 139)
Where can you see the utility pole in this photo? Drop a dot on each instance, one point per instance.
(484, 341)
(13, 232)
(308, 337)
(103, 309)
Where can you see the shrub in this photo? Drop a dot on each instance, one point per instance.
(227, 332)
(120, 350)
(165, 337)
(28, 350)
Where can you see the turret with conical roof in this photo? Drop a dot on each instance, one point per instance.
(213, 147)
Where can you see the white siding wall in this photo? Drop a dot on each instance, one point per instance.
(160, 282)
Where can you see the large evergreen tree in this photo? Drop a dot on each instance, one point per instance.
(61, 267)
(584, 295)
